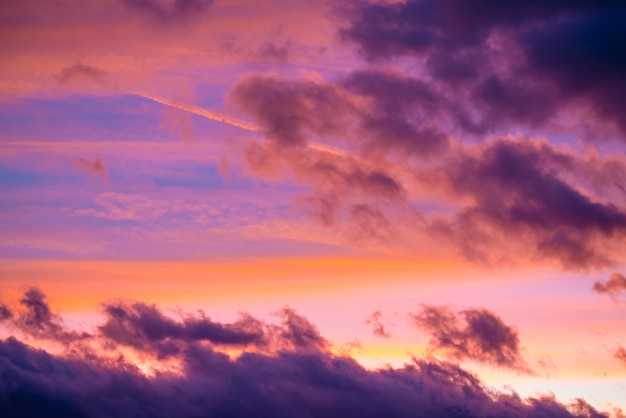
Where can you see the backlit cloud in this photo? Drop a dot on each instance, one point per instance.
(305, 377)
(476, 334)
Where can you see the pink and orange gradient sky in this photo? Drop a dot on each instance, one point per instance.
(420, 181)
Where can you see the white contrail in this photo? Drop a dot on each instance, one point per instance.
(229, 120)
(198, 111)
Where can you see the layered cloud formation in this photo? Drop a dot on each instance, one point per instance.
(505, 186)
(414, 122)
(449, 124)
(282, 370)
(412, 142)
(519, 62)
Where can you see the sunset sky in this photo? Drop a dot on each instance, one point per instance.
(313, 208)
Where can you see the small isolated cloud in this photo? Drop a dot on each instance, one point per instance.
(620, 354)
(475, 334)
(145, 328)
(91, 169)
(81, 72)
(612, 287)
(378, 328)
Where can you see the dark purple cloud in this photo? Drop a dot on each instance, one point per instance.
(300, 376)
(517, 190)
(299, 332)
(476, 334)
(400, 117)
(291, 110)
(612, 287)
(510, 187)
(583, 54)
(286, 384)
(144, 327)
(5, 312)
(37, 319)
(530, 189)
(383, 30)
(479, 71)
(519, 62)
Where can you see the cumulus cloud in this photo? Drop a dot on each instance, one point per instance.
(144, 327)
(612, 287)
(475, 334)
(36, 318)
(444, 126)
(343, 187)
(515, 187)
(553, 200)
(304, 377)
(300, 332)
(289, 110)
(284, 385)
(517, 62)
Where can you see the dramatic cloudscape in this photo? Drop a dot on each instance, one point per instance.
(313, 208)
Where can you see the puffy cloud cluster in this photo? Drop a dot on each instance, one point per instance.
(35, 318)
(476, 334)
(397, 144)
(446, 107)
(301, 378)
(145, 328)
(442, 110)
(520, 189)
(517, 62)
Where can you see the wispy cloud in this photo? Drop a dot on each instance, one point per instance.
(612, 287)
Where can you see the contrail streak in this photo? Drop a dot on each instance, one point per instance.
(199, 111)
(229, 120)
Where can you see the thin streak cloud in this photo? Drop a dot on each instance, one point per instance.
(198, 111)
